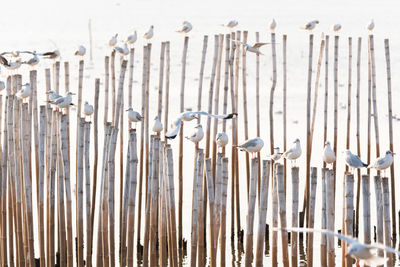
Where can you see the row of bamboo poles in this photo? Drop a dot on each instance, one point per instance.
(147, 175)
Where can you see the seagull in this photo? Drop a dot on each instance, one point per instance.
(231, 24)
(221, 139)
(53, 96)
(371, 25)
(2, 85)
(252, 146)
(382, 163)
(157, 126)
(253, 48)
(186, 27)
(51, 55)
(132, 38)
(294, 152)
(24, 92)
(277, 154)
(337, 27)
(188, 116)
(87, 109)
(14, 65)
(81, 51)
(310, 26)
(353, 161)
(272, 26)
(133, 116)
(63, 102)
(149, 34)
(113, 40)
(122, 50)
(328, 155)
(196, 135)
(33, 61)
(357, 250)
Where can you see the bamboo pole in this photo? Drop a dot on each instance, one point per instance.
(326, 91)
(226, 81)
(357, 218)
(282, 214)
(146, 114)
(310, 236)
(171, 205)
(87, 191)
(284, 97)
(245, 119)
(162, 206)
(49, 252)
(323, 258)
(349, 98)
(51, 196)
(131, 66)
(224, 191)
(211, 198)
(234, 137)
(161, 81)
(201, 75)
(349, 196)
(218, 198)
(275, 204)
(335, 103)
(295, 218)
(379, 211)
(166, 96)
(202, 222)
(262, 211)
(330, 215)
(124, 207)
(79, 191)
(194, 232)
(154, 202)
(4, 191)
(366, 209)
(386, 218)
(369, 105)
(113, 89)
(106, 87)
(392, 181)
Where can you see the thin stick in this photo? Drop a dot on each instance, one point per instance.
(379, 211)
(330, 215)
(90, 40)
(194, 231)
(275, 211)
(386, 216)
(366, 209)
(224, 191)
(226, 81)
(245, 119)
(323, 219)
(310, 239)
(113, 93)
(166, 96)
(160, 83)
(335, 103)
(106, 87)
(295, 217)
(79, 192)
(211, 197)
(3, 198)
(201, 75)
(392, 182)
(357, 219)
(369, 105)
(349, 196)
(171, 204)
(284, 115)
(326, 91)
(201, 232)
(154, 202)
(131, 65)
(235, 128)
(87, 191)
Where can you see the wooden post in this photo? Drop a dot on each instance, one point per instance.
(330, 215)
(89, 240)
(274, 217)
(106, 87)
(349, 196)
(245, 119)
(42, 136)
(113, 89)
(392, 181)
(224, 191)
(79, 191)
(62, 238)
(369, 105)
(349, 98)
(250, 212)
(166, 96)
(335, 104)
(366, 209)
(194, 212)
(201, 232)
(262, 212)
(323, 218)
(226, 81)
(310, 236)
(161, 81)
(284, 115)
(203, 60)
(130, 84)
(386, 217)
(357, 219)
(282, 214)
(379, 211)
(154, 202)
(326, 91)
(210, 189)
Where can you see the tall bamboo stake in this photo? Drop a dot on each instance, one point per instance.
(106, 87)
(124, 207)
(326, 91)
(195, 195)
(79, 191)
(201, 75)
(369, 105)
(226, 81)
(154, 202)
(234, 137)
(310, 239)
(330, 215)
(224, 191)
(295, 218)
(284, 115)
(357, 219)
(282, 214)
(392, 184)
(113, 93)
(201, 233)
(130, 84)
(366, 209)
(166, 96)
(323, 258)
(161, 81)
(171, 204)
(335, 102)
(3, 199)
(349, 196)
(245, 119)
(88, 191)
(379, 211)
(275, 204)
(386, 217)
(211, 196)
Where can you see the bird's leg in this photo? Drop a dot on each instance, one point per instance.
(358, 263)
(196, 145)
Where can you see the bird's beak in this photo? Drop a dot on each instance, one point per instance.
(47, 93)
(393, 153)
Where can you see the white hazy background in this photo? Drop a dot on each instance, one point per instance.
(47, 25)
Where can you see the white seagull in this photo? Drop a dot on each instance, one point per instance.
(81, 51)
(122, 50)
(382, 163)
(132, 38)
(188, 116)
(366, 253)
(337, 27)
(272, 26)
(221, 139)
(231, 24)
(63, 102)
(310, 25)
(24, 92)
(328, 155)
(149, 34)
(157, 126)
(353, 161)
(371, 25)
(53, 96)
(196, 135)
(113, 40)
(277, 154)
(33, 60)
(255, 48)
(14, 65)
(133, 116)
(294, 152)
(87, 109)
(186, 27)
(252, 146)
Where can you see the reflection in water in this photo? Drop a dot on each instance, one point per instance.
(302, 253)
(267, 247)
(233, 251)
(139, 254)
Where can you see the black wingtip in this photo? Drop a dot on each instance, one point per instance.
(231, 115)
(365, 165)
(170, 136)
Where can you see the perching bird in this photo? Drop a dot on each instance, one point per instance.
(24, 92)
(157, 126)
(14, 65)
(353, 161)
(382, 163)
(188, 116)
(53, 96)
(371, 25)
(277, 154)
(133, 116)
(272, 26)
(87, 109)
(81, 51)
(231, 24)
(132, 38)
(221, 139)
(328, 155)
(2, 85)
(196, 135)
(149, 34)
(252, 146)
(33, 60)
(294, 152)
(310, 25)
(186, 27)
(122, 50)
(253, 48)
(366, 253)
(113, 40)
(51, 55)
(337, 27)
(63, 102)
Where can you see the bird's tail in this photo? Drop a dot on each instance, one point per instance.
(230, 116)
(366, 165)
(375, 261)
(303, 28)
(179, 31)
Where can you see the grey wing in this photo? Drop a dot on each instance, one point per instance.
(354, 160)
(380, 161)
(58, 101)
(326, 232)
(382, 246)
(250, 143)
(224, 116)
(257, 45)
(174, 132)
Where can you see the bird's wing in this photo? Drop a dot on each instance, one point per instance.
(58, 101)
(249, 143)
(382, 246)
(355, 160)
(47, 54)
(380, 161)
(4, 61)
(347, 239)
(257, 45)
(239, 42)
(174, 132)
(224, 117)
